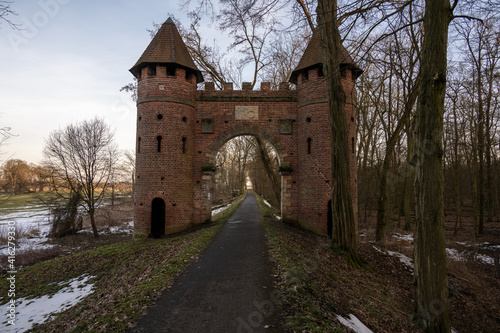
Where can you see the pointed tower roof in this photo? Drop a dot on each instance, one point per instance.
(313, 57)
(167, 47)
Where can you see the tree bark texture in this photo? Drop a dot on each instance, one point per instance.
(431, 283)
(344, 228)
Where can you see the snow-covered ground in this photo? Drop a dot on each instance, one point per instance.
(31, 227)
(405, 237)
(451, 253)
(29, 311)
(408, 262)
(218, 210)
(354, 324)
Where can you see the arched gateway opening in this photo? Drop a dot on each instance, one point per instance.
(242, 162)
(175, 174)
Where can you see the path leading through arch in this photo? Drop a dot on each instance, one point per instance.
(229, 289)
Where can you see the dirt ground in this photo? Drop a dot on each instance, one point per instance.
(473, 269)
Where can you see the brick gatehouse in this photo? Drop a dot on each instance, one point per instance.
(180, 129)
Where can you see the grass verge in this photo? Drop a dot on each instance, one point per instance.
(127, 277)
(317, 284)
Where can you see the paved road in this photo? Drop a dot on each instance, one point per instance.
(229, 289)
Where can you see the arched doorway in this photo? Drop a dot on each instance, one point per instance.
(329, 221)
(157, 218)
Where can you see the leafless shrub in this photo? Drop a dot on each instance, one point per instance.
(66, 220)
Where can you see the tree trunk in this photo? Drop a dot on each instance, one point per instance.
(92, 222)
(266, 161)
(344, 227)
(456, 163)
(408, 176)
(431, 282)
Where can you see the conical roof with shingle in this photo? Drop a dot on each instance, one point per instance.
(167, 47)
(313, 57)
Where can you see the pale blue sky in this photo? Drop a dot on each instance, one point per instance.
(68, 65)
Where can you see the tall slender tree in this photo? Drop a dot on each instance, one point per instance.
(431, 281)
(344, 228)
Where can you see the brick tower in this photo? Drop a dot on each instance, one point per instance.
(167, 78)
(314, 145)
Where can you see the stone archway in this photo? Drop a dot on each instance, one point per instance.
(180, 128)
(236, 131)
(266, 133)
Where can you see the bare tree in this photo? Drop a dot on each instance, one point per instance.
(5, 134)
(344, 228)
(16, 176)
(83, 156)
(5, 12)
(431, 281)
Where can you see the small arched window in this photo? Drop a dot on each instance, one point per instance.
(159, 138)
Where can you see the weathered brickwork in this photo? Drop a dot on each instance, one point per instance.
(180, 130)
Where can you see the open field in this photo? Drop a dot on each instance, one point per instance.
(121, 278)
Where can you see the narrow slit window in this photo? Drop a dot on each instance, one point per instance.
(183, 145)
(170, 70)
(352, 142)
(158, 139)
(139, 145)
(309, 145)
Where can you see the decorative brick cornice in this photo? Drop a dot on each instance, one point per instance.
(321, 100)
(165, 99)
(221, 98)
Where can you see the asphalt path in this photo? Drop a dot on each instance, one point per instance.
(229, 288)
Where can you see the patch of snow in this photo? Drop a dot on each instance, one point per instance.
(267, 203)
(454, 254)
(354, 324)
(24, 244)
(220, 209)
(405, 237)
(124, 228)
(485, 259)
(278, 217)
(408, 262)
(483, 245)
(459, 256)
(40, 309)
